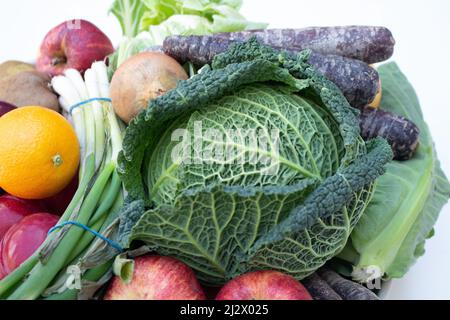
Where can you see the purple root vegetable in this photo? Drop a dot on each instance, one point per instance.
(358, 82)
(320, 289)
(401, 133)
(199, 50)
(365, 43)
(5, 108)
(346, 289)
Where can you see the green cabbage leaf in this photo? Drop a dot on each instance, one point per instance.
(391, 235)
(292, 210)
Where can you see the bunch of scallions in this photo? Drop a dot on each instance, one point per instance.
(71, 250)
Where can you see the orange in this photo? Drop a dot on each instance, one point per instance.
(39, 153)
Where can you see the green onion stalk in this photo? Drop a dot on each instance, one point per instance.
(97, 200)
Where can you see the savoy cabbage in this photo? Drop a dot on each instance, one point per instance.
(291, 212)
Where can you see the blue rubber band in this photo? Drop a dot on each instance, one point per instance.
(82, 103)
(113, 244)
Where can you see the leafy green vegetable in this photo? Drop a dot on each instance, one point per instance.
(96, 203)
(129, 13)
(408, 198)
(293, 210)
(146, 23)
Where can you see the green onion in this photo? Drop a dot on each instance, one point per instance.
(97, 199)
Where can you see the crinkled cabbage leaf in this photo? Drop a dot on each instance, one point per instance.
(291, 210)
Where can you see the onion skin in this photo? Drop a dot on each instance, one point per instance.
(141, 79)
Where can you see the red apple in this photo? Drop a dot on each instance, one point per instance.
(264, 285)
(13, 210)
(59, 203)
(73, 44)
(24, 238)
(157, 278)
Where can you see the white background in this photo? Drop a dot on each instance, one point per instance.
(422, 31)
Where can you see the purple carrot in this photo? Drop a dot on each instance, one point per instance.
(401, 133)
(365, 43)
(358, 82)
(320, 289)
(347, 289)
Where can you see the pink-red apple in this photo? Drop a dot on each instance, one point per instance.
(24, 238)
(73, 44)
(264, 285)
(59, 203)
(157, 278)
(13, 210)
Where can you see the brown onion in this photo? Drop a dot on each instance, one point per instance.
(142, 78)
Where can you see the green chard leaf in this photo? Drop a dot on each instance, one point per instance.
(129, 13)
(408, 198)
(146, 23)
(226, 217)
